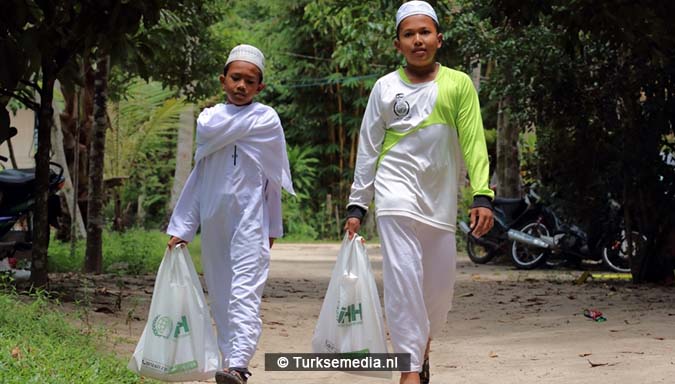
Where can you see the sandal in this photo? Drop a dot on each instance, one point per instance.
(233, 376)
(424, 374)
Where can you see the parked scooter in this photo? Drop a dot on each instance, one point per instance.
(553, 241)
(17, 201)
(509, 215)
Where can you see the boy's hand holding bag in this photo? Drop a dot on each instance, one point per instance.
(350, 320)
(178, 342)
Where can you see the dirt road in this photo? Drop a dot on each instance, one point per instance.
(506, 326)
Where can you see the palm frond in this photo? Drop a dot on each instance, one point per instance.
(142, 123)
(163, 121)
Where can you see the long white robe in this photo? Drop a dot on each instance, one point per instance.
(234, 194)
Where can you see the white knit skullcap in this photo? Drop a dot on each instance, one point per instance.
(415, 7)
(249, 53)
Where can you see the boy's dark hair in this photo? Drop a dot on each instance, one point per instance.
(438, 28)
(260, 75)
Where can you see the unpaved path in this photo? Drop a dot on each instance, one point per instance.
(506, 326)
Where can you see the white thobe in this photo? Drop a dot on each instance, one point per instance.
(234, 194)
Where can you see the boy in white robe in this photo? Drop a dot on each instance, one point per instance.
(234, 194)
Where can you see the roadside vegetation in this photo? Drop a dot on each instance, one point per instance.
(134, 252)
(38, 344)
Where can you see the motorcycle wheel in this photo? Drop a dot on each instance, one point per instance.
(615, 253)
(528, 257)
(479, 253)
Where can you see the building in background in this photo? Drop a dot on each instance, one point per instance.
(22, 143)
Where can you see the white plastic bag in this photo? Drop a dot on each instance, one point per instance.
(350, 320)
(178, 342)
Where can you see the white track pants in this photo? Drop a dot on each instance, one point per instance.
(419, 278)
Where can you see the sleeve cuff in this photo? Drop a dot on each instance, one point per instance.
(356, 211)
(183, 235)
(482, 201)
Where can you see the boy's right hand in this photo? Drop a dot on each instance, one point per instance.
(174, 241)
(352, 226)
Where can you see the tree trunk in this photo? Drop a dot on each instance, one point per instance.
(84, 133)
(95, 220)
(475, 78)
(475, 72)
(341, 141)
(140, 211)
(353, 150)
(72, 211)
(507, 165)
(644, 195)
(118, 222)
(12, 158)
(39, 276)
(183, 154)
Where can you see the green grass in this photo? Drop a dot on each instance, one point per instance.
(139, 251)
(38, 345)
(300, 239)
(134, 252)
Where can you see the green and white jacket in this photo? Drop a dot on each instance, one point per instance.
(411, 140)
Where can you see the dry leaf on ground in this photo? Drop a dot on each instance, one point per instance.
(16, 352)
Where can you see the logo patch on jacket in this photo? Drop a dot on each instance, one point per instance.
(401, 107)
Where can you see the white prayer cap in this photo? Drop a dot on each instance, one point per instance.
(249, 53)
(415, 7)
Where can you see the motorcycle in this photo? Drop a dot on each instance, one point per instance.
(550, 240)
(17, 201)
(509, 215)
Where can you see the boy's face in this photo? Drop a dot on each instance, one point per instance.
(418, 40)
(241, 82)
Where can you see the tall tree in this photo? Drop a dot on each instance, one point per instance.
(596, 78)
(177, 29)
(95, 221)
(183, 154)
(507, 167)
(53, 34)
(76, 126)
(32, 53)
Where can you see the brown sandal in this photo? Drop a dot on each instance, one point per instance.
(424, 374)
(233, 376)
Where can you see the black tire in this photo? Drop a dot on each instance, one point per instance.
(528, 257)
(480, 252)
(615, 253)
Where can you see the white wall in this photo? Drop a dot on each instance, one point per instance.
(23, 141)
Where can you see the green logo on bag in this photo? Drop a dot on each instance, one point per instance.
(184, 367)
(182, 326)
(350, 315)
(162, 326)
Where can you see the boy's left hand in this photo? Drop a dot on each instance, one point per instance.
(174, 241)
(481, 221)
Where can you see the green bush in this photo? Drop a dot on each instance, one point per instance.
(40, 346)
(298, 223)
(136, 251)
